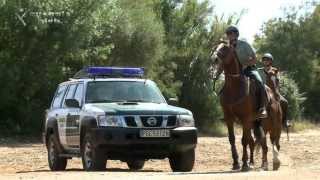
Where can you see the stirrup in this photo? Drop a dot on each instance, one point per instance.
(262, 113)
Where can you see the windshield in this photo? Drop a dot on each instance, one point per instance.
(123, 91)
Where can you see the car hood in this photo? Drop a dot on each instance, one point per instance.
(137, 109)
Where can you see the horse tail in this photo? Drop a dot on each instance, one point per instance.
(258, 134)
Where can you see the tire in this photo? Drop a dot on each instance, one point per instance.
(92, 157)
(135, 164)
(182, 161)
(56, 163)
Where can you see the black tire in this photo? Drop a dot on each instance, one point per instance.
(92, 157)
(56, 163)
(182, 161)
(135, 164)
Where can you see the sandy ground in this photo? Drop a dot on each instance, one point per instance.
(27, 159)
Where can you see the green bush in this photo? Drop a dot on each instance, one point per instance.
(290, 90)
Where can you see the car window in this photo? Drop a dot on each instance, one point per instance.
(115, 91)
(58, 97)
(78, 93)
(70, 93)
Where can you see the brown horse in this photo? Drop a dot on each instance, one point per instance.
(239, 103)
(272, 124)
(272, 81)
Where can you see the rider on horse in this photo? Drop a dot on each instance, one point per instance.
(267, 60)
(247, 59)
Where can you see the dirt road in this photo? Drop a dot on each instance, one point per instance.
(300, 160)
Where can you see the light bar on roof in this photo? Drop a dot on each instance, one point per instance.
(113, 72)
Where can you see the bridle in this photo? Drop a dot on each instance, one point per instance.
(232, 75)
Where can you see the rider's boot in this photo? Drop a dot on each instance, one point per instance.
(262, 111)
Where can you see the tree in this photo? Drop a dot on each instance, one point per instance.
(41, 44)
(185, 68)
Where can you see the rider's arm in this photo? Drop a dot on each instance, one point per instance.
(252, 55)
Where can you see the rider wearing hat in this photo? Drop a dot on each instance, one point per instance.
(267, 60)
(247, 58)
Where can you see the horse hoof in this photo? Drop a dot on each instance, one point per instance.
(235, 167)
(245, 168)
(276, 166)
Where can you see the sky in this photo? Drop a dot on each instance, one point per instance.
(257, 12)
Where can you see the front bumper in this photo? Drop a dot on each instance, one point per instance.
(126, 143)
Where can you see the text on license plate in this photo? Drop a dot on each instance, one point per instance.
(154, 133)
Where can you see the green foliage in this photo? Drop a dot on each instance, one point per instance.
(289, 89)
(36, 54)
(137, 37)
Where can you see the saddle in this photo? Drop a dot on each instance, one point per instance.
(247, 87)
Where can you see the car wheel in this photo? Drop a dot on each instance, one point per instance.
(135, 164)
(182, 161)
(56, 163)
(92, 158)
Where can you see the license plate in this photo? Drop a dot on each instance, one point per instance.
(145, 133)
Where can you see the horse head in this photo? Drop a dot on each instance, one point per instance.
(226, 58)
(272, 80)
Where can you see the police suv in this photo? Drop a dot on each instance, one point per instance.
(113, 113)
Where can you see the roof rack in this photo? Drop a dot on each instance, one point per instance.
(108, 72)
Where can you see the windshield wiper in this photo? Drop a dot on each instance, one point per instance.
(142, 100)
(105, 101)
(137, 100)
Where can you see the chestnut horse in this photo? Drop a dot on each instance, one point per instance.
(273, 123)
(239, 103)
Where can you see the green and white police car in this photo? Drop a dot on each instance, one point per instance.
(113, 113)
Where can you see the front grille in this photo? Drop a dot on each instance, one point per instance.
(130, 121)
(151, 121)
(172, 120)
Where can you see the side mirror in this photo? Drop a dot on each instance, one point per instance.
(72, 103)
(173, 101)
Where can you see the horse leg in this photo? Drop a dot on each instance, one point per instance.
(275, 137)
(232, 140)
(251, 146)
(264, 145)
(245, 142)
(275, 151)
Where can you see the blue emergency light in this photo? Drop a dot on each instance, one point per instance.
(93, 72)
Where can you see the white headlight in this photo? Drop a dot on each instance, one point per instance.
(185, 121)
(114, 121)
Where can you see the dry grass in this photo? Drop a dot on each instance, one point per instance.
(216, 129)
(219, 129)
(302, 125)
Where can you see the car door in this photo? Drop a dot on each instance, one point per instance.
(58, 112)
(73, 117)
